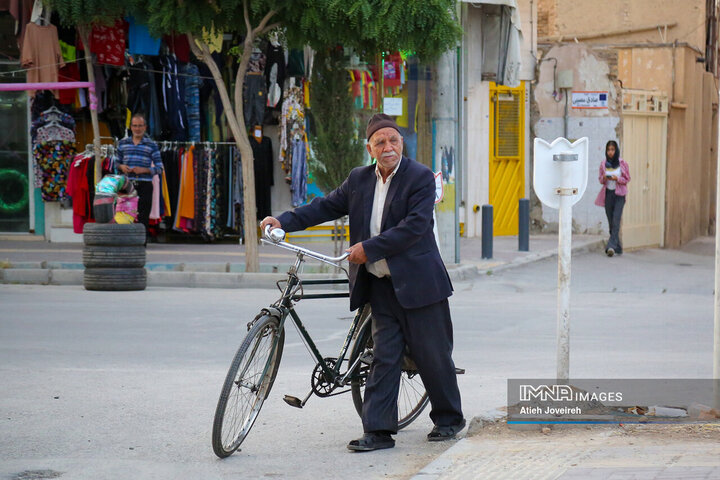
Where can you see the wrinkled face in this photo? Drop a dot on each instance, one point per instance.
(386, 147)
(610, 151)
(138, 126)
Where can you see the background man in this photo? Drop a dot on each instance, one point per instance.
(139, 159)
(395, 265)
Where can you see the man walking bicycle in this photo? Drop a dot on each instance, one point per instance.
(395, 266)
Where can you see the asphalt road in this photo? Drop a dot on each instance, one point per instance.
(124, 384)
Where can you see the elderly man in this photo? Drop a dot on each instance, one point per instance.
(139, 159)
(395, 265)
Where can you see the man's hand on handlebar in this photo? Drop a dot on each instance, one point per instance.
(272, 221)
(357, 253)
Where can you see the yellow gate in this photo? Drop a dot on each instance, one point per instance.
(507, 156)
(644, 148)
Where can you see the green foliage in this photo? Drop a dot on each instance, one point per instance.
(337, 147)
(87, 12)
(427, 27)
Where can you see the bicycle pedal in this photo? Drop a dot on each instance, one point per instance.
(293, 401)
(366, 358)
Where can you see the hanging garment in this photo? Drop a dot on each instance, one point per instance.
(41, 55)
(172, 162)
(54, 132)
(155, 207)
(292, 124)
(108, 43)
(209, 210)
(173, 101)
(299, 173)
(52, 160)
(179, 45)
(186, 199)
(199, 174)
(192, 101)
(254, 99)
(274, 74)
(263, 165)
(81, 190)
(143, 98)
(140, 42)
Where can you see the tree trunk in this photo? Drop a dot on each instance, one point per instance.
(252, 262)
(84, 32)
(243, 142)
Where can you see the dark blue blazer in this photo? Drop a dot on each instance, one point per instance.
(406, 240)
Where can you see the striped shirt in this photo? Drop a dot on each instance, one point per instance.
(144, 154)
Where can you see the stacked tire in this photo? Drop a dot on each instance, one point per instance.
(114, 257)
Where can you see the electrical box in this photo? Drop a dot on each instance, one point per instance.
(565, 79)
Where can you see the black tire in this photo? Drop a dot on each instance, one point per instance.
(247, 385)
(110, 234)
(95, 256)
(412, 397)
(115, 279)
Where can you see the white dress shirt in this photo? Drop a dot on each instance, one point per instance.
(380, 268)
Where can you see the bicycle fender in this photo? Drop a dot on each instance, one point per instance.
(272, 311)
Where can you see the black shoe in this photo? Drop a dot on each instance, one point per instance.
(371, 441)
(610, 252)
(440, 433)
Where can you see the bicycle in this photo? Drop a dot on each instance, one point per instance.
(255, 365)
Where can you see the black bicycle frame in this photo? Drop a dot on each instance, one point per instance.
(286, 307)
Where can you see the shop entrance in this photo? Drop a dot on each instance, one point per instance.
(644, 147)
(507, 156)
(15, 188)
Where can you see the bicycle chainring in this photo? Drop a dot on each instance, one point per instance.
(321, 385)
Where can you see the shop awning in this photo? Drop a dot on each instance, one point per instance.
(502, 39)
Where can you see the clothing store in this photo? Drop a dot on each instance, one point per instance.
(48, 145)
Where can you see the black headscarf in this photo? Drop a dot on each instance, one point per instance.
(614, 161)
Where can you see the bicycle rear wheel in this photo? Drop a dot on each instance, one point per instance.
(412, 397)
(247, 385)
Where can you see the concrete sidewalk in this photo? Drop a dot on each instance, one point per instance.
(24, 260)
(492, 450)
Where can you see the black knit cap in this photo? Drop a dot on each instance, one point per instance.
(378, 121)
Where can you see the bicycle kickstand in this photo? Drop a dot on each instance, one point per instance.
(295, 401)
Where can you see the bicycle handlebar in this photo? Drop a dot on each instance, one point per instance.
(276, 237)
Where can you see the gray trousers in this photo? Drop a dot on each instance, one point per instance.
(427, 331)
(614, 205)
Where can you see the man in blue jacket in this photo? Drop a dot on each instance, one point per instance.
(395, 265)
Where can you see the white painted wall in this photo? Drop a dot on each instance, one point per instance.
(477, 128)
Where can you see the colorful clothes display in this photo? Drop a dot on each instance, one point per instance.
(52, 160)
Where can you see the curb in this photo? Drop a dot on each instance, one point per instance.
(230, 275)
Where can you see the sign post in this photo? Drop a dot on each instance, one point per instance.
(560, 178)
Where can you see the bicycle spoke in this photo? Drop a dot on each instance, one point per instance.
(246, 386)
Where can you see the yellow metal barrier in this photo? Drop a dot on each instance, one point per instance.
(321, 232)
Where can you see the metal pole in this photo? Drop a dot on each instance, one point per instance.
(564, 258)
(563, 300)
(567, 116)
(487, 231)
(524, 225)
(716, 343)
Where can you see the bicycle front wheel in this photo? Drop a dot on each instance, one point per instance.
(412, 397)
(247, 385)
